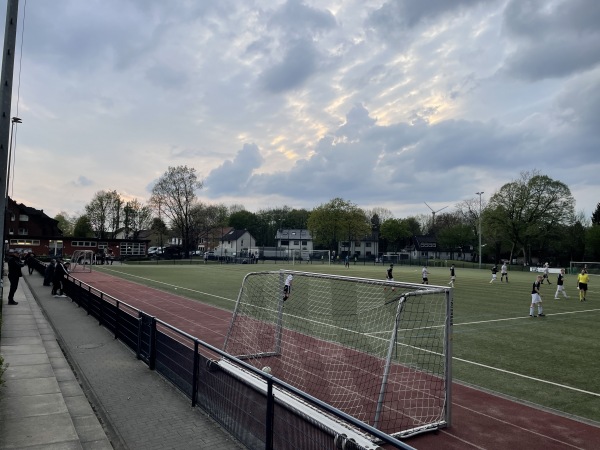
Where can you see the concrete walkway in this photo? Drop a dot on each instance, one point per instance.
(97, 397)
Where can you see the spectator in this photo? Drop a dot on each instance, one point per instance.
(14, 273)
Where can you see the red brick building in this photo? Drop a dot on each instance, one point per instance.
(31, 230)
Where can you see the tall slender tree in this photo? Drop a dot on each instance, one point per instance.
(174, 194)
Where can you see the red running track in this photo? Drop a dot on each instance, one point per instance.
(480, 420)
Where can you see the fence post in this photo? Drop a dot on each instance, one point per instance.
(139, 337)
(152, 344)
(270, 415)
(101, 309)
(117, 319)
(195, 371)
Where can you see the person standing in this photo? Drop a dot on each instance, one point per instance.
(452, 276)
(389, 275)
(536, 298)
(49, 272)
(582, 284)
(347, 262)
(29, 260)
(560, 285)
(287, 287)
(494, 273)
(546, 273)
(424, 275)
(503, 272)
(58, 282)
(14, 274)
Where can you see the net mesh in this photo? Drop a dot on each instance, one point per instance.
(593, 268)
(376, 350)
(81, 261)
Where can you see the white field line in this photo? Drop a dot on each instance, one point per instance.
(172, 285)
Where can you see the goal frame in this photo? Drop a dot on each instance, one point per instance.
(82, 261)
(406, 291)
(575, 267)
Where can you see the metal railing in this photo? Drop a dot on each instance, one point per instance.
(254, 415)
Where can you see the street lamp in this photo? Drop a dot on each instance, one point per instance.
(480, 194)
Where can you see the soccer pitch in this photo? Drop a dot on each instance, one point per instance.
(550, 361)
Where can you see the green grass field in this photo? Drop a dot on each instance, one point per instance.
(551, 361)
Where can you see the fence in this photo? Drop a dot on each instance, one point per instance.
(247, 402)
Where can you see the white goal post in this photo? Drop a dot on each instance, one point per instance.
(593, 267)
(377, 350)
(82, 261)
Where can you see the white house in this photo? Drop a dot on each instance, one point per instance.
(297, 243)
(235, 243)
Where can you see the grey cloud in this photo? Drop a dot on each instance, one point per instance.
(82, 181)
(554, 40)
(298, 64)
(297, 17)
(396, 16)
(232, 176)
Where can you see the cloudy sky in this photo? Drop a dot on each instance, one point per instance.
(382, 103)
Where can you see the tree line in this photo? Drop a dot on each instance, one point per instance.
(532, 216)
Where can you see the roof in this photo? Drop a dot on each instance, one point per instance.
(234, 235)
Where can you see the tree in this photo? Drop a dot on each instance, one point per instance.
(137, 217)
(174, 194)
(160, 228)
(65, 223)
(592, 243)
(395, 231)
(529, 208)
(596, 215)
(335, 221)
(104, 213)
(456, 238)
(83, 227)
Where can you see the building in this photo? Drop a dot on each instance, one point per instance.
(31, 230)
(427, 247)
(294, 243)
(235, 244)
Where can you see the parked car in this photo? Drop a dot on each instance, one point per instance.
(154, 251)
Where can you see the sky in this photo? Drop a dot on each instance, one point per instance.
(398, 104)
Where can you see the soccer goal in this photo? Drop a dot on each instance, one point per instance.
(311, 257)
(377, 350)
(82, 261)
(592, 267)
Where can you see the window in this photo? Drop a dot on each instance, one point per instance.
(132, 248)
(23, 218)
(11, 231)
(12, 217)
(24, 242)
(83, 244)
(304, 242)
(368, 245)
(287, 243)
(23, 231)
(296, 242)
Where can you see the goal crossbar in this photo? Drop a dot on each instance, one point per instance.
(377, 350)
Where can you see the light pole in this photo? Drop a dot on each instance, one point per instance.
(480, 194)
(10, 145)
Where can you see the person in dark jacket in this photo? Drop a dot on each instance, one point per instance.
(14, 273)
(49, 273)
(30, 262)
(58, 280)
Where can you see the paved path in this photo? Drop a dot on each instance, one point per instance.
(44, 402)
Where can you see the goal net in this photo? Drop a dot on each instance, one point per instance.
(592, 267)
(377, 350)
(82, 261)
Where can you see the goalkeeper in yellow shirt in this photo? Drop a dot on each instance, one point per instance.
(582, 284)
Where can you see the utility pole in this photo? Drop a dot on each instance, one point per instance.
(480, 194)
(6, 78)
